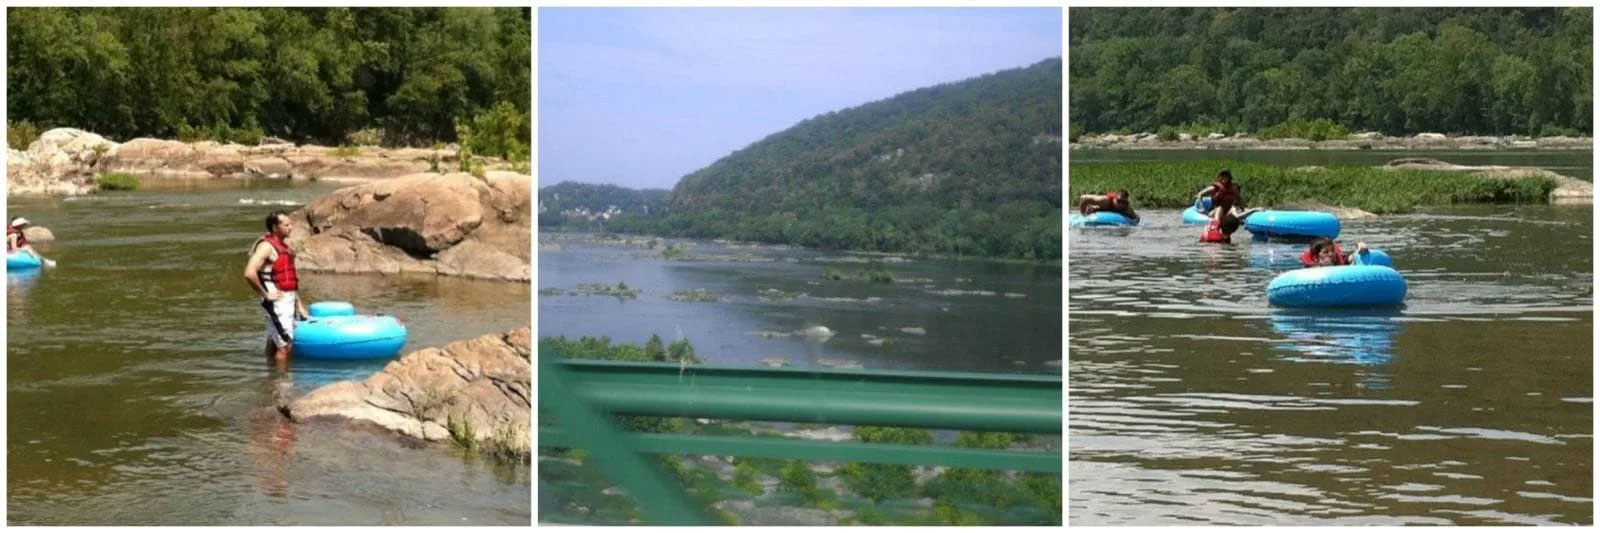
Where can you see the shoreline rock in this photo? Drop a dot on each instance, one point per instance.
(451, 224)
(1357, 141)
(1568, 191)
(427, 394)
(66, 160)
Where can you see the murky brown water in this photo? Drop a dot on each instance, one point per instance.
(138, 394)
(1193, 402)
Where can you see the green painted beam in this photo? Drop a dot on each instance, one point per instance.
(940, 400)
(810, 450)
(661, 497)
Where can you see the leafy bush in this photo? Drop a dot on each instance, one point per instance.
(879, 482)
(502, 132)
(21, 134)
(365, 137)
(117, 181)
(1315, 130)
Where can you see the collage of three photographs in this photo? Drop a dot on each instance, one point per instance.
(799, 266)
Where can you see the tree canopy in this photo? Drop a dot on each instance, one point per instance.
(966, 168)
(303, 74)
(1392, 70)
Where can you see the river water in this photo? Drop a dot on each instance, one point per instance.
(937, 314)
(973, 315)
(138, 392)
(1191, 401)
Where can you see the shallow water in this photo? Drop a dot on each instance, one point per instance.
(1193, 402)
(138, 392)
(973, 315)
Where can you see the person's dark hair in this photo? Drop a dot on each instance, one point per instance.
(1123, 193)
(274, 218)
(1225, 173)
(1320, 244)
(1230, 224)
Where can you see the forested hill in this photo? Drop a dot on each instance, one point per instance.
(573, 203)
(330, 76)
(965, 168)
(1392, 70)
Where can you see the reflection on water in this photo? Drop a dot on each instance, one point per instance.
(1193, 401)
(137, 390)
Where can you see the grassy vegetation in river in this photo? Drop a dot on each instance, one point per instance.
(117, 181)
(1173, 185)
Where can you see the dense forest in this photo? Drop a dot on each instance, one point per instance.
(969, 168)
(1392, 70)
(555, 201)
(396, 76)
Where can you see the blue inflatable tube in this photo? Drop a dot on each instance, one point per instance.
(1193, 216)
(1099, 218)
(22, 261)
(321, 309)
(1375, 258)
(1338, 286)
(1293, 224)
(345, 335)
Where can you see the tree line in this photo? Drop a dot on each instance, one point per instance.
(968, 168)
(1393, 70)
(396, 76)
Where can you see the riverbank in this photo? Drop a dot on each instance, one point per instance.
(1399, 187)
(66, 161)
(1358, 141)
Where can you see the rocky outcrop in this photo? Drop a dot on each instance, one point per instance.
(65, 161)
(1568, 190)
(476, 389)
(453, 224)
(61, 161)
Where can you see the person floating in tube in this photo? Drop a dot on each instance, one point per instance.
(270, 271)
(1117, 201)
(1225, 197)
(17, 240)
(1325, 252)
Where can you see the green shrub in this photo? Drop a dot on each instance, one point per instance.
(502, 131)
(879, 482)
(365, 137)
(117, 181)
(1167, 133)
(345, 151)
(21, 134)
(1315, 130)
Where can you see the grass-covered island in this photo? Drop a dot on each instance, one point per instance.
(1375, 189)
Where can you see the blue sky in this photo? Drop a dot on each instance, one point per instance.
(640, 97)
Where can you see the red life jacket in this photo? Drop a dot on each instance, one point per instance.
(1311, 261)
(281, 272)
(22, 238)
(1213, 232)
(1224, 195)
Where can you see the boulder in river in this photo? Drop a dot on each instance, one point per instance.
(477, 389)
(453, 224)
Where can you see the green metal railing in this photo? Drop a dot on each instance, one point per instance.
(582, 394)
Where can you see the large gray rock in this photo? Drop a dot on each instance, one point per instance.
(453, 224)
(486, 382)
(65, 161)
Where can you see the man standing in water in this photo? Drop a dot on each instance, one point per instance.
(270, 272)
